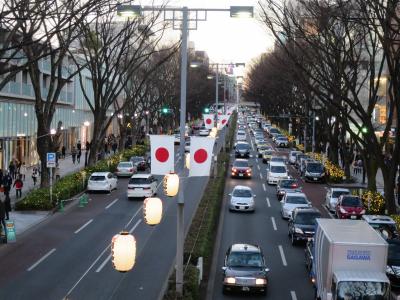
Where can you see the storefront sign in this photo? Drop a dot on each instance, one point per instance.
(11, 235)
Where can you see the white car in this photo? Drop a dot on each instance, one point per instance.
(126, 168)
(203, 132)
(291, 201)
(102, 181)
(332, 196)
(242, 199)
(142, 185)
(292, 156)
(275, 172)
(282, 142)
(241, 136)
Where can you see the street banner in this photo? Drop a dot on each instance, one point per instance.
(208, 120)
(11, 234)
(162, 154)
(201, 150)
(222, 121)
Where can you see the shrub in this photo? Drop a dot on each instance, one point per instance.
(374, 202)
(334, 172)
(396, 218)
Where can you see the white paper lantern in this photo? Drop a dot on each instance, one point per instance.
(152, 210)
(123, 251)
(171, 184)
(187, 161)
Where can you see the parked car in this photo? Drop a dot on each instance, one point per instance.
(292, 156)
(244, 269)
(287, 185)
(276, 158)
(299, 157)
(139, 162)
(314, 172)
(126, 168)
(261, 149)
(384, 224)
(273, 131)
(275, 172)
(102, 181)
(282, 142)
(142, 186)
(349, 207)
(203, 131)
(302, 224)
(332, 196)
(291, 201)
(242, 149)
(277, 136)
(242, 199)
(241, 169)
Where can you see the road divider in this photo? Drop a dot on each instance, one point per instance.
(282, 255)
(83, 226)
(41, 259)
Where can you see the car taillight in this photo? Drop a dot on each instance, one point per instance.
(295, 185)
(131, 170)
(248, 170)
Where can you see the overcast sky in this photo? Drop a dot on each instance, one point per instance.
(226, 39)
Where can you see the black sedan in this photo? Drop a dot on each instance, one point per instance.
(302, 224)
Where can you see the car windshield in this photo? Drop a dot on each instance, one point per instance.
(139, 181)
(293, 154)
(337, 194)
(241, 193)
(137, 159)
(269, 152)
(282, 139)
(278, 169)
(245, 259)
(240, 133)
(351, 201)
(97, 178)
(241, 164)
(366, 290)
(288, 183)
(299, 157)
(296, 200)
(315, 168)
(306, 218)
(124, 165)
(242, 146)
(278, 159)
(274, 130)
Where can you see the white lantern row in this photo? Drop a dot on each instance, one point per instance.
(123, 251)
(171, 184)
(152, 211)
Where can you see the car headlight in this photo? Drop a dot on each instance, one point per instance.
(342, 210)
(230, 280)
(261, 281)
(298, 230)
(389, 270)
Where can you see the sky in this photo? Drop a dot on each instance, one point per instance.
(226, 39)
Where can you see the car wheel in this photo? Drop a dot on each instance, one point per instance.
(224, 291)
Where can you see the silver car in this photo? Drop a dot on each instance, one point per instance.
(242, 199)
(332, 196)
(291, 201)
(126, 168)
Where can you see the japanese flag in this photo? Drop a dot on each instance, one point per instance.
(222, 121)
(208, 121)
(162, 154)
(201, 150)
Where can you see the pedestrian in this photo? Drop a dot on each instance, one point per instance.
(360, 166)
(2, 218)
(114, 147)
(7, 182)
(78, 156)
(57, 173)
(23, 170)
(79, 145)
(18, 184)
(35, 175)
(7, 203)
(12, 169)
(73, 154)
(63, 152)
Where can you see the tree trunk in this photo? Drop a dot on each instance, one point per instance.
(122, 136)
(371, 168)
(43, 147)
(98, 137)
(333, 145)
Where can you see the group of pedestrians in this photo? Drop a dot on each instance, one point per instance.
(358, 165)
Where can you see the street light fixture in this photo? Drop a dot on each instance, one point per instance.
(53, 131)
(123, 249)
(242, 11)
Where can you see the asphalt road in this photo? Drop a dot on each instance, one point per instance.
(68, 256)
(288, 277)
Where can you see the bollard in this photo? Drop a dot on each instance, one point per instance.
(82, 201)
(61, 206)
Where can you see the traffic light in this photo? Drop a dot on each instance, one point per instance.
(206, 110)
(165, 110)
(364, 129)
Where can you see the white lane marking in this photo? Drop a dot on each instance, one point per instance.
(268, 203)
(109, 256)
(130, 221)
(83, 226)
(257, 162)
(282, 255)
(265, 189)
(293, 294)
(111, 204)
(261, 177)
(329, 213)
(273, 223)
(258, 167)
(41, 259)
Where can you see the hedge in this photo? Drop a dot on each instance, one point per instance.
(70, 185)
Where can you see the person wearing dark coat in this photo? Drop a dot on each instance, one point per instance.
(2, 217)
(7, 204)
(7, 182)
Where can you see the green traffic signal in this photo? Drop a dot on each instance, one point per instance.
(165, 110)
(364, 129)
(206, 110)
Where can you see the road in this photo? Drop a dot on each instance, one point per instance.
(68, 255)
(288, 277)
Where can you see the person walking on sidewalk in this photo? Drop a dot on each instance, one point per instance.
(12, 169)
(2, 218)
(23, 170)
(7, 182)
(78, 156)
(57, 173)
(35, 175)
(63, 152)
(18, 184)
(73, 154)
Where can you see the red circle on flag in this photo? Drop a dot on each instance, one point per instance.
(223, 121)
(208, 121)
(200, 156)
(162, 154)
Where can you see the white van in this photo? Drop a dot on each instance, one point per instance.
(241, 136)
(275, 172)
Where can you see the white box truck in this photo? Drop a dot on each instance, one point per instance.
(350, 261)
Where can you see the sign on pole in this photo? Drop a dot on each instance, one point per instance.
(51, 160)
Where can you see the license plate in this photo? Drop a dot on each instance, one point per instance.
(245, 289)
(315, 179)
(241, 207)
(240, 175)
(139, 189)
(353, 217)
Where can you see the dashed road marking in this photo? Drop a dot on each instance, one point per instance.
(293, 294)
(111, 204)
(261, 177)
(282, 255)
(265, 189)
(41, 259)
(258, 167)
(83, 226)
(273, 223)
(268, 203)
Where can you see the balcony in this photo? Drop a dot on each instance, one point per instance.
(69, 97)
(15, 88)
(27, 89)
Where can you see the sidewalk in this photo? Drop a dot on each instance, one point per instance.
(358, 178)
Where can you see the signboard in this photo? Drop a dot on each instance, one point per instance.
(51, 160)
(11, 235)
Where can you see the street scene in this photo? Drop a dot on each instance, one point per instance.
(200, 150)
